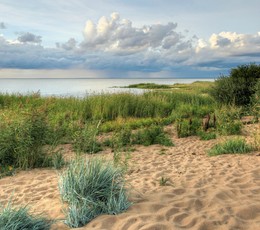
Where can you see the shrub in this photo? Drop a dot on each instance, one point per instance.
(223, 89)
(257, 89)
(20, 219)
(231, 146)
(188, 127)
(239, 87)
(91, 188)
(256, 96)
(123, 138)
(152, 135)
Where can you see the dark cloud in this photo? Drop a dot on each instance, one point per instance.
(29, 38)
(223, 42)
(71, 44)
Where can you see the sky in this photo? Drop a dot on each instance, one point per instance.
(127, 38)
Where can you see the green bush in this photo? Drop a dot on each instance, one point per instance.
(239, 87)
(256, 96)
(231, 146)
(188, 127)
(20, 219)
(123, 137)
(91, 188)
(222, 91)
(257, 89)
(152, 135)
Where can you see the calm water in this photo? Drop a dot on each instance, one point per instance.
(78, 87)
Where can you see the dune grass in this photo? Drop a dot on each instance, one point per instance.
(29, 123)
(91, 188)
(22, 141)
(20, 219)
(232, 146)
(152, 135)
(205, 136)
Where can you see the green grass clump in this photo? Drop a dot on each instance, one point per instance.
(152, 135)
(207, 136)
(163, 181)
(22, 141)
(231, 146)
(228, 120)
(85, 140)
(58, 161)
(20, 219)
(188, 127)
(91, 188)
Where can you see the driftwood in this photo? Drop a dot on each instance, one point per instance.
(214, 121)
(205, 122)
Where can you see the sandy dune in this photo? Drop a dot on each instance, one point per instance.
(202, 192)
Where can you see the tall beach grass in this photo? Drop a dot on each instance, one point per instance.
(232, 146)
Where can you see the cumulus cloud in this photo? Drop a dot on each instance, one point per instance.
(231, 42)
(226, 49)
(2, 25)
(29, 38)
(118, 35)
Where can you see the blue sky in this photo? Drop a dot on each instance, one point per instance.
(112, 38)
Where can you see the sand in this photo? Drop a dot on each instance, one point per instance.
(202, 192)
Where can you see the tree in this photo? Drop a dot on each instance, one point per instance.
(239, 87)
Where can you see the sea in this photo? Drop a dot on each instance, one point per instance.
(78, 87)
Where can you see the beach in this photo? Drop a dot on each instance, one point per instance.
(177, 187)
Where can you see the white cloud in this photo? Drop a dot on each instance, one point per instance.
(118, 35)
(231, 43)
